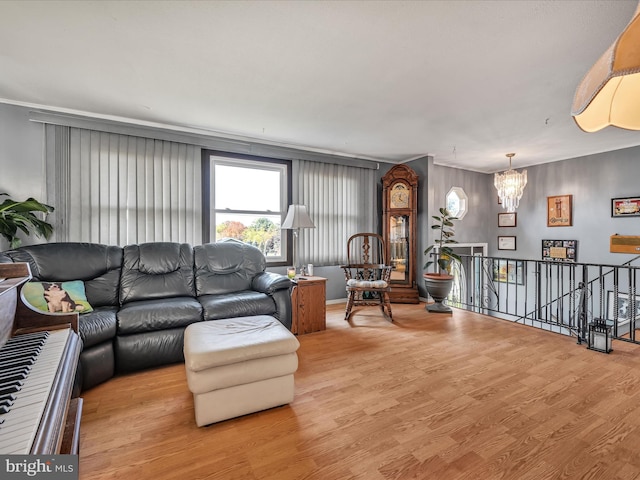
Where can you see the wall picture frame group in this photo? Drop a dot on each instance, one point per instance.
(507, 219)
(560, 250)
(625, 207)
(560, 211)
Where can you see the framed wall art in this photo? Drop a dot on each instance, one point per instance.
(559, 211)
(506, 243)
(625, 207)
(507, 219)
(560, 250)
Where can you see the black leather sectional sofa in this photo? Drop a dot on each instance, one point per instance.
(143, 296)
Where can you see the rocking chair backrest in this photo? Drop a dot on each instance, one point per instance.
(366, 248)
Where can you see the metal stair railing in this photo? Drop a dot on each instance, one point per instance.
(552, 295)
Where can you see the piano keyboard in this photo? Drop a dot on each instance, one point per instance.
(28, 365)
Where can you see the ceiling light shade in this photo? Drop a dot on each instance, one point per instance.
(510, 186)
(609, 94)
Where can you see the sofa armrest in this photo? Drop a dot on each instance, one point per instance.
(277, 287)
(269, 283)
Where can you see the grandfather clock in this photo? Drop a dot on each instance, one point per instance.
(399, 216)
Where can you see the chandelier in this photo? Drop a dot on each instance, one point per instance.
(510, 186)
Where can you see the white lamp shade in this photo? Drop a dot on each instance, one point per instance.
(297, 217)
(609, 94)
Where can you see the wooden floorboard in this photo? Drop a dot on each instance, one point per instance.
(429, 396)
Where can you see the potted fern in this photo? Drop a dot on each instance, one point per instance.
(438, 284)
(22, 216)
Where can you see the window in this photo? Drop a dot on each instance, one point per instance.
(248, 199)
(457, 202)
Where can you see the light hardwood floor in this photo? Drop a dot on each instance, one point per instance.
(430, 396)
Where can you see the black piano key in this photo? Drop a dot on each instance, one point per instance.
(17, 363)
(9, 390)
(24, 340)
(25, 336)
(19, 346)
(27, 352)
(20, 370)
(14, 377)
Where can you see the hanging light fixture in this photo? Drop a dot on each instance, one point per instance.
(510, 186)
(609, 94)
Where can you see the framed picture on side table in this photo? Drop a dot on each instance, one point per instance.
(506, 243)
(507, 219)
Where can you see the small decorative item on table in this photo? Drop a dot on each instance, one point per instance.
(291, 272)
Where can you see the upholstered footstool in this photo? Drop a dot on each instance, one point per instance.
(237, 366)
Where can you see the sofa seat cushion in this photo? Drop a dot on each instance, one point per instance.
(239, 304)
(160, 314)
(148, 349)
(97, 326)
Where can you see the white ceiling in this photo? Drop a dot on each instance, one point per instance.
(464, 81)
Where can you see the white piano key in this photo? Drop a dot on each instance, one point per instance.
(20, 424)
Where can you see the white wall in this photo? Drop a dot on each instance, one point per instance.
(21, 158)
(21, 147)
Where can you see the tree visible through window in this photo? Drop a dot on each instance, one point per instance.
(249, 201)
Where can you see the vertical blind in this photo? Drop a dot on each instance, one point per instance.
(119, 189)
(341, 201)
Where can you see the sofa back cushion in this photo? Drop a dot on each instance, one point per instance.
(98, 266)
(226, 266)
(157, 270)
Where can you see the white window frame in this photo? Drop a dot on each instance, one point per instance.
(463, 201)
(219, 158)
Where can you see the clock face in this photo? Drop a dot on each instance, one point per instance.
(399, 196)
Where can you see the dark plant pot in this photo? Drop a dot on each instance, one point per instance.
(438, 286)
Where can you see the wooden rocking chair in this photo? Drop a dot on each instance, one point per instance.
(367, 274)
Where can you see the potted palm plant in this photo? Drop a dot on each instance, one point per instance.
(22, 216)
(438, 284)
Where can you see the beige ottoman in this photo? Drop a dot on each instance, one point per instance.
(239, 365)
